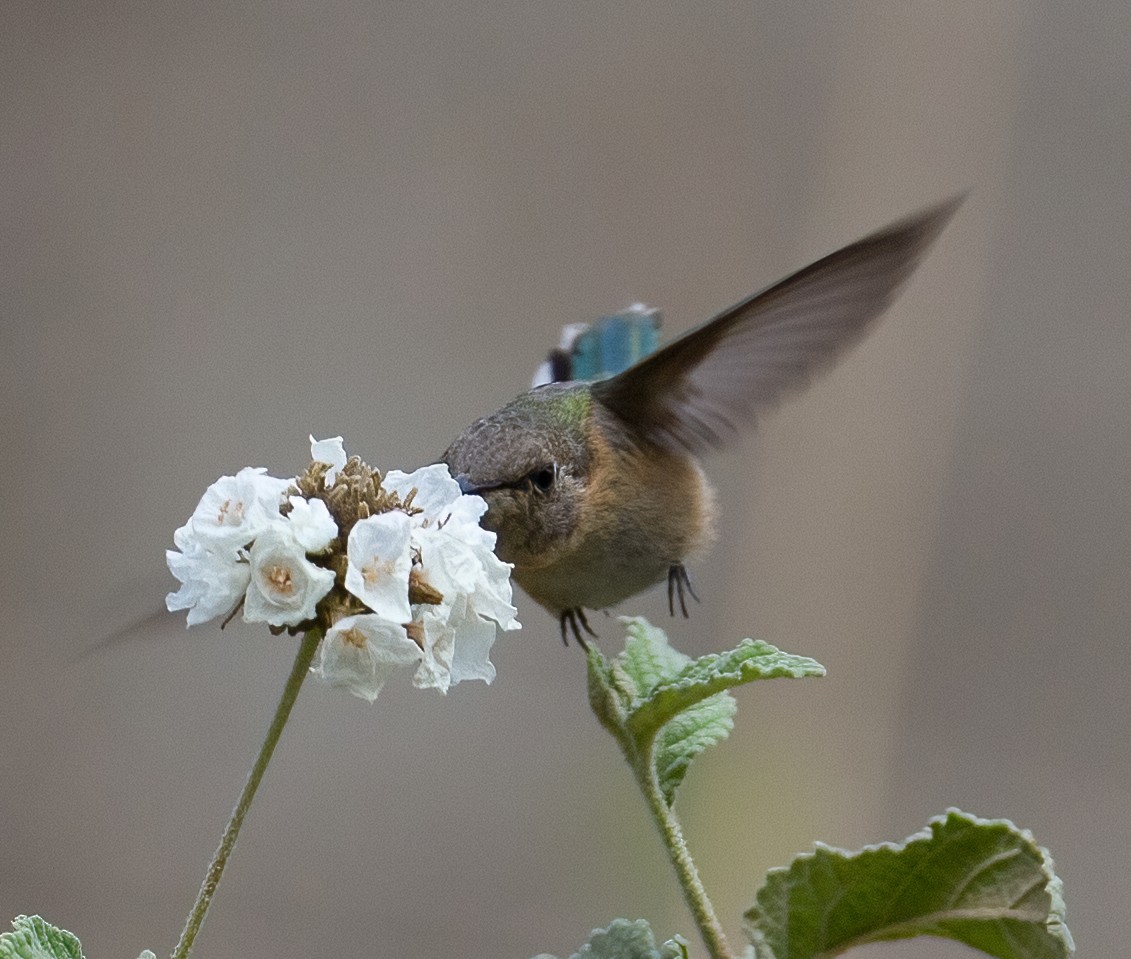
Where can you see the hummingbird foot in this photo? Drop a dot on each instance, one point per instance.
(576, 621)
(679, 584)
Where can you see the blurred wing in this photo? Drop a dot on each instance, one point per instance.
(697, 391)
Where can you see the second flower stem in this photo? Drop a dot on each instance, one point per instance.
(693, 892)
(303, 659)
(609, 703)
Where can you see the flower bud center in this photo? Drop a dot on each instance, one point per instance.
(280, 579)
(231, 513)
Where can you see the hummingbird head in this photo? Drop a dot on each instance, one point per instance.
(530, 462)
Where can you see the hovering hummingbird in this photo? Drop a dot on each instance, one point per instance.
(595, 488)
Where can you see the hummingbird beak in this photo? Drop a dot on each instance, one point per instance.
(466, 487)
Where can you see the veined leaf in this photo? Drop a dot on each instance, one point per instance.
(984, 883)
(625, 939)
(34, 938)
(670, 707)
(711, 674)
(685, 736)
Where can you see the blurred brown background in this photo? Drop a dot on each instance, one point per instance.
(228, 225)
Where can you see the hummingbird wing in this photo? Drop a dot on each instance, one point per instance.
(696, 392)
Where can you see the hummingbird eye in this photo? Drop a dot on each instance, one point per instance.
(542, 479)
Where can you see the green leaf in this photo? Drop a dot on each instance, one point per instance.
(683, 738)
(661, 703)
(33, 938)
(625, 939)
(711, 674)
(981, 882)
(648, 659)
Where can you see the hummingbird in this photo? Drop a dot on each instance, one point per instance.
(595, 490)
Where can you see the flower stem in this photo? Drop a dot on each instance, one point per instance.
(609, 703)
(693, 892)
(303, 659)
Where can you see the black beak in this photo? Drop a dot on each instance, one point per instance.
(466, 487)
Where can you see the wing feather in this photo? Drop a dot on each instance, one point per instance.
(696, 392)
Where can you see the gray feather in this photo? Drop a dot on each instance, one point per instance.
(696, 392)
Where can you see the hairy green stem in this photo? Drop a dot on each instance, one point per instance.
(301, 667)
(608, 702)
(693, 892)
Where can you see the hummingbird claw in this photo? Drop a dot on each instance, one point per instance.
(679, 583)
(572, 618)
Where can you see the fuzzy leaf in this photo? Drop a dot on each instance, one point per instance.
(683, 738)
(34, 938)
(981, 882)
(625, 939)
(711, 674)
(648, 659)
(677, 707)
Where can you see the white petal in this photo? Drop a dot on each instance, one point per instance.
(184, 538)
(211, 583)
(285, 587)
(474, 639)
(235, 509)
(435, 669)
(457, 644)
(446, 562)
(331, 452)
(362, 652)
(458, 568)
(379, 564)
(460, 519)
(435, 488)
(493, 597)
(468, 510)
(312, 523)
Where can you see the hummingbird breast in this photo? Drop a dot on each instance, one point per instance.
(644, 509)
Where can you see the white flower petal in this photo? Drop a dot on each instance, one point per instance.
(211, 583)
(331, 452)
(447, 562)
(435, 489)
(362, 652)
(467, 511)
(457, 644)
(285, 586)
(184, 538)
(435, 669)
(312, 524)
(458, 568)
(474, 639)
(235, 509)
(493, 597)
(379, 564)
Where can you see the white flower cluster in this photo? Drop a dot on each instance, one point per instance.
(240, 547)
